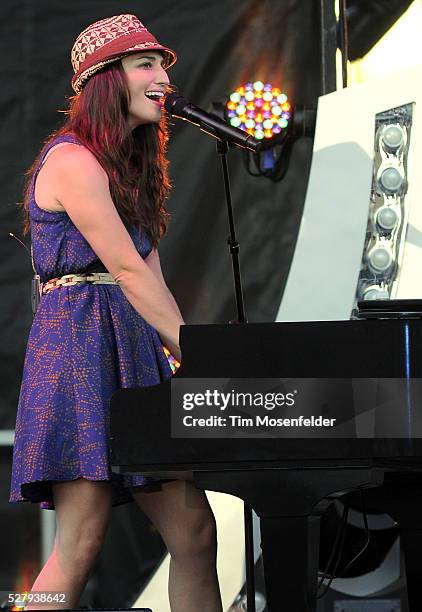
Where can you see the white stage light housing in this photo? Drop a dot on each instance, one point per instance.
(388, 203)
(350, 213)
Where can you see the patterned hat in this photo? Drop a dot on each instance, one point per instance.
(109, 40)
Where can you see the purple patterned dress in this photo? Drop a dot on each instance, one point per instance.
(86, 342)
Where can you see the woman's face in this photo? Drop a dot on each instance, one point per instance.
(147, 82)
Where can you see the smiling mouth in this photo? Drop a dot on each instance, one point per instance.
(155, 96)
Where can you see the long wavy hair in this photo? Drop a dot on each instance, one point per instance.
(135, 162)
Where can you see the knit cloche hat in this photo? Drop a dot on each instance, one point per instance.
(109, 40)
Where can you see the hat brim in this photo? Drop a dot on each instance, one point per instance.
(79, 79)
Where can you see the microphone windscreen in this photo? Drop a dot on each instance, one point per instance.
(175, 103)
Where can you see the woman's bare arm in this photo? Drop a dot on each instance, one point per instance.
(81, 186)
(153, 262)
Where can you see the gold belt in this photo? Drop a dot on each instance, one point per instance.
(94, 278)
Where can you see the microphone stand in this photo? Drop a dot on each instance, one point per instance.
(222, 150)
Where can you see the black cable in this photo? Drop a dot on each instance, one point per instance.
(367, 532)
(336, 550)
(282, 164)
(332, 575)
(257, 161)
(277, 173)
(247, 163)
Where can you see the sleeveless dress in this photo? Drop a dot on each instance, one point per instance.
(86, 342)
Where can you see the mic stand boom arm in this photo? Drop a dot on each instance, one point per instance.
(214, 126)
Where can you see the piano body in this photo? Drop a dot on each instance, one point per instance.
(288, 482)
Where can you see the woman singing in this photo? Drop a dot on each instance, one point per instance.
(94, 203)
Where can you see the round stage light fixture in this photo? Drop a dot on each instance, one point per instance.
(263, 110)
(390, 179)
(393, 137)
(380, 259)
(375, 292)
(386, 218)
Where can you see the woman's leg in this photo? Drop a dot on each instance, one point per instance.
(82, 512)
(183, 517)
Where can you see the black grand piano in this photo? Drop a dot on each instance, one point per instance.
(290, 481)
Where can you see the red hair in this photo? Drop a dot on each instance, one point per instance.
(135, 162)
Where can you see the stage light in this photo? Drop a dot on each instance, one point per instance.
(387, 218)
(380, 258)
(241, 110)
(388, 205)
(390, 179)
(393, 137)
(375, 292)
(263, 104)
(264, 112)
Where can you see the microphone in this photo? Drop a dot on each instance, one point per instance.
(178, 106)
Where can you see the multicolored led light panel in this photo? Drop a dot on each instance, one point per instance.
(259, 109)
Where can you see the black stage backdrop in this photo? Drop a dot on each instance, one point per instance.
(220, 44)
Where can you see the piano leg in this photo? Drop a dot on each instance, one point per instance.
(411, 540)
(290, 553)
(289, 503)
(401, 498)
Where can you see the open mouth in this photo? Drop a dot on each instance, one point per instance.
(155, 96)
